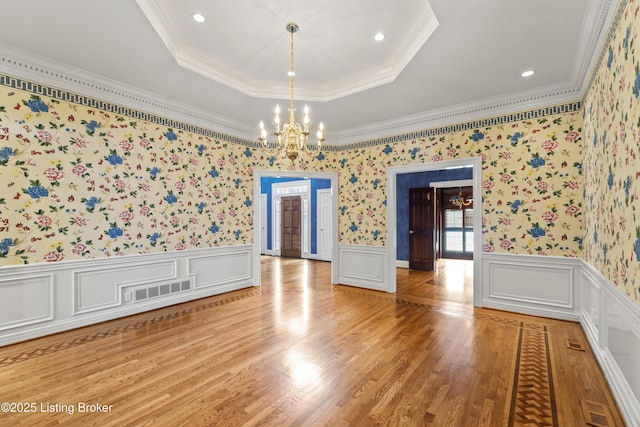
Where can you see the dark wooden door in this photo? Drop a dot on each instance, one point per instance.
(421, 229)
(291, 227)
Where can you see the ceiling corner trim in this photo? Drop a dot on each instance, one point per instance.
(415, 40)
(151, 10)
(256, 87)
(592, 48)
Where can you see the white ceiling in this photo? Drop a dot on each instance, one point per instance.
(442, 60)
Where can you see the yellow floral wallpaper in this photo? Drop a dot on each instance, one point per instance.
(612, 163)
(83, 182)
(532, 183)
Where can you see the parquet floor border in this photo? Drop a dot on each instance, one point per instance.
(533, 402)
(533, 398)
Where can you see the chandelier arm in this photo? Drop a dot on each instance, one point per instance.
(311, 149)
(271, 151)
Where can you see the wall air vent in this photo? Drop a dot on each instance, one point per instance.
(157, 290)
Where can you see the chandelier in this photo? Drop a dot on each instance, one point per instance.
(459, 200)
(291, 137)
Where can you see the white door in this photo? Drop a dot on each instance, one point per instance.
(325, 224)
(263, 224)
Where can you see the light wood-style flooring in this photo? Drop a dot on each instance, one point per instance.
(300, 352)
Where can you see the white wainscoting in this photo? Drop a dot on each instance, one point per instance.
(363, 266)
(611, 322)
(41, 299)
(529, 284)
(571, 289)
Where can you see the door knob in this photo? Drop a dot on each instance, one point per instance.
(410, 231)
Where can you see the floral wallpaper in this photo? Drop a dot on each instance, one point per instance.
(86, 183)
(532, 183)
(83, 183)
(612, 163)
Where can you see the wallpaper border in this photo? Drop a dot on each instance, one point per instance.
(88, 101)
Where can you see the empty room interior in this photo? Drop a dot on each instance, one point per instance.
(298, 213)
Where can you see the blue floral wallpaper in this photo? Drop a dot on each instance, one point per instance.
(612, 164)
(88, 183)
(532, 183)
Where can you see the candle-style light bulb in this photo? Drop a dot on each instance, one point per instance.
(276, 119)
(306, 119)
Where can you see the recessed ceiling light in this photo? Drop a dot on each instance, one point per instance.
(379, 36)
(198, 17)
(528, 73)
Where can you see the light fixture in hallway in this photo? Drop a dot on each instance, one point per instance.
(459, 200)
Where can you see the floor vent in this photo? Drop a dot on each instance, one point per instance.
(573, 344)
(596, 414)
(161, 290)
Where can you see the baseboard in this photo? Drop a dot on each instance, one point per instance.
(402, 263)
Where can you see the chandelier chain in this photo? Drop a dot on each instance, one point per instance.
(291, 75)
(291, 137)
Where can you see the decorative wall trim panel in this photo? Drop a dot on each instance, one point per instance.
(537, 285)
(68, 295)
(363, 266)
(611, 322)
(25, 301)
(221, 269)
(98, 289)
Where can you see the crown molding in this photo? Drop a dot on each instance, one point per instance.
(460, 113)
(258, 88)
(15, 62)
(21, 64)
(607, 18)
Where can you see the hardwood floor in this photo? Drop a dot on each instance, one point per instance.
(301, 352)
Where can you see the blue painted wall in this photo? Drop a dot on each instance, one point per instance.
(316, 184)
(406, 181)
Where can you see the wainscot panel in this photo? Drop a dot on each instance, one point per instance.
(363, 266)
(57, 297)
(529, 284)
(26, 301)
(611, 322)
(221, 269)
(95, 290)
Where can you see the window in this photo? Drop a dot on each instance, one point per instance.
(456, 224)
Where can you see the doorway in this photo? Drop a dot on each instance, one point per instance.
(258, 221)
(392, 241)
(455, 222)
(421, 229)
(290, 226)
